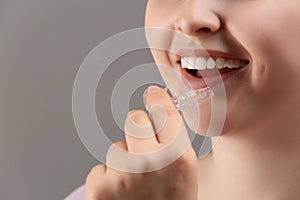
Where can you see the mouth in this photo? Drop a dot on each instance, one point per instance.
(201, 68)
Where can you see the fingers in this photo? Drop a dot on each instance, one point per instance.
(139, 133)
(144, 142)
(94, 181)
(122, 145)
(145, 148)
(141, 143)
(166, 118)
(99, 169)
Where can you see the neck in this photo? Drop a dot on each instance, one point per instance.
(262, 163)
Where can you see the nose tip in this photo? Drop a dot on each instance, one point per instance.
(197, 26)
(197, 19)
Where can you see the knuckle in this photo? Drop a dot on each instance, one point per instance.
(147, 163)
(99, 167)
(114, 151)
(122, 183)
(96, 171)
(185, 162)
(95, 184)
(117, 145)
(89, 179)
(120, 144)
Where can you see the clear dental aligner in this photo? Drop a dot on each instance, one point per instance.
(187, 99)
(192, 98)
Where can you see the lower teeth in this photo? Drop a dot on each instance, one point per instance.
(203, 73)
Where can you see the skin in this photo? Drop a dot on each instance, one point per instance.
(257, 156)
(176, 181)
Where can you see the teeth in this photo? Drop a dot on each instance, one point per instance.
(220, 63)
(200, 63)
(192, 62)
(210, 63)
(231, 63)
(183, 62)
(188, 63)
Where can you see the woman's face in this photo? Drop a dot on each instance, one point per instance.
(261, 36)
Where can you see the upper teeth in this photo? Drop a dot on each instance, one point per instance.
(202, 63)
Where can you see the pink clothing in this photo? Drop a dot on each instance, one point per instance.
(77, 194)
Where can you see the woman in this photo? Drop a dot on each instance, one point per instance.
(257, 156)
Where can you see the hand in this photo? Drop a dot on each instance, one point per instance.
(171, 181)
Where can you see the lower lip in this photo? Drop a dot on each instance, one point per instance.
(199, 82)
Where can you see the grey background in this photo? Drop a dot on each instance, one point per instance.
(42, 44)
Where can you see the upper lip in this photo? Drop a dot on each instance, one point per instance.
(206, 53)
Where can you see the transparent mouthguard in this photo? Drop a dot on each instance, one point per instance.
(192, 98)
(189, 99)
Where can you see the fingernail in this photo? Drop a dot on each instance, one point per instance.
(153, 89)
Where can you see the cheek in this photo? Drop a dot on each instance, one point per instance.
(161, 13)
(149, 20)
(271, 28)
(271, 36)
(160, 57)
